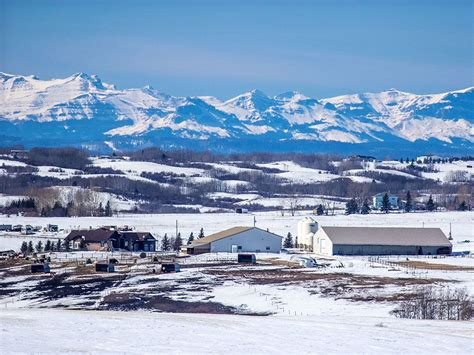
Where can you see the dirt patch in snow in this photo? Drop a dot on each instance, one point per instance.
(433, 266)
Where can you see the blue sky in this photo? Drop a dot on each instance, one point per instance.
(222, 48)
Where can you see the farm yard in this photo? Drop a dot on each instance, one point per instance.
(344, 295)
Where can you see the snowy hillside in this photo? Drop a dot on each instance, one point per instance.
(82, 110)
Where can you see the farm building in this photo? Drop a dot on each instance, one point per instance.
(380, 241)
(106, 239)
(236, 240)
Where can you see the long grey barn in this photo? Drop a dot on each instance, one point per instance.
(380, 241)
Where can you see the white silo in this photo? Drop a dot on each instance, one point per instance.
(307, 227)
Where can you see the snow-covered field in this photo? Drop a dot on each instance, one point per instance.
(59, 331)
(462, 223)
(304, 317)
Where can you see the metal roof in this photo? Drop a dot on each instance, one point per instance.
(386, 236)
(224, 234)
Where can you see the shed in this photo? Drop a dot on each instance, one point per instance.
(237, 240)
(39, 268)
(104, 267)
(381, 241)
(170, 267)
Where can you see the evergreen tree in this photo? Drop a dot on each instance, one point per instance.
(108, 209)
(365, 209)
(191, 238)
(66, 246)
(101, 210)
(409, 203)
(401, 160)
(69, 208)
(430, 205)
(296, 242)
(47, 246)
(58, 245)
(24, 248)
(39, 246)
(30, 248)
(351, 206)
(178, 242)
(385, 203)
(165, 243)
(320, 210)
(201, 233)
(288, 242)
(462, 206)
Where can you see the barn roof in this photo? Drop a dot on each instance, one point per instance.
(224, 234)
(386, 236)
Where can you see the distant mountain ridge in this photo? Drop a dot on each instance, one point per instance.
(82, 110)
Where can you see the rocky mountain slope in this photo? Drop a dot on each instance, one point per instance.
(82, 110)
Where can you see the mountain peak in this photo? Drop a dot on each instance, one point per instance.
(291, 96)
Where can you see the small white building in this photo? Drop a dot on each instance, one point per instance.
(380, 241)
(237, 240)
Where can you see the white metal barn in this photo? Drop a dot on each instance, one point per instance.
(380, 241)
(236, 240)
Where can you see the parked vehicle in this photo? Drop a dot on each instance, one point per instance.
(17, 228)
(304, 261)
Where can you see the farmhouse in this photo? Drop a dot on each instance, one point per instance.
(236, 240)
(380, 241)
(105, 239)
(93, 239)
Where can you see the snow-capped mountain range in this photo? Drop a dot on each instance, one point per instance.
(82, 110)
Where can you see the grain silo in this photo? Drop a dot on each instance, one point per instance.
(307, 227)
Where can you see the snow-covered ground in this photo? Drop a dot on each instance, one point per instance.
(60, 331)
(461, 223)
(302, 319)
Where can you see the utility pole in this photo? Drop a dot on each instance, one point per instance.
(450, 235)
(176, 228)
(254, 221)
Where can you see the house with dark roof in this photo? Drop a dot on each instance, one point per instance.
(105, 239)
(137, 241)
(101, 239)
(236, 240)
(380, 241)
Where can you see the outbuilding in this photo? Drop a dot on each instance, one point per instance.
(237, 240)
(380, 241)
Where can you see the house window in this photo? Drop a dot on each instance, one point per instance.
(267, 248)
(126, 243)
(239, 247)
